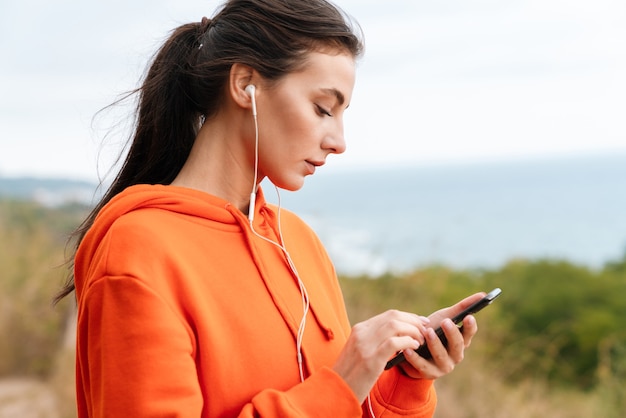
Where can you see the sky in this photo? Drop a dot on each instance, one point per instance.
(442, 81)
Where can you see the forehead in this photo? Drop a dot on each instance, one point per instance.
(327, 70)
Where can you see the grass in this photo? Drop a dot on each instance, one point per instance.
(37, 347)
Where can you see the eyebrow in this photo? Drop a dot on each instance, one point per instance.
(334, 92)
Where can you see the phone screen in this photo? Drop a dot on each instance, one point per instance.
(458, 319)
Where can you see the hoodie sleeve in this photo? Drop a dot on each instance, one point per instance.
(396, 395)
(134, 353)
(137, 358)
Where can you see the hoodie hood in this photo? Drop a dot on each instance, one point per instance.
(175, 199)
(262, 246)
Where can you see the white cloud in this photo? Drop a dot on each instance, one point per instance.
(440, 80)
(497, 79)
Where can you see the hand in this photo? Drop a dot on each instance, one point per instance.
(443, 360)
(372, 342)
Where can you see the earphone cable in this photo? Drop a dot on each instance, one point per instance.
(303, 292)
(281, 245)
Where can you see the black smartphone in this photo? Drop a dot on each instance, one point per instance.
(423, 349)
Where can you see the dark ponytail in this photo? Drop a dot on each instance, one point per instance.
(185, 82)
(167, 120)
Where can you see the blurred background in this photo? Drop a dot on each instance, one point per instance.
(452, 81)
(486, 147)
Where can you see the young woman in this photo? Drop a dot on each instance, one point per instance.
(196, 298)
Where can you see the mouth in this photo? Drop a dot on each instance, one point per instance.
(312, 165)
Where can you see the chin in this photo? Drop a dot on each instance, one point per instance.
(291, 185)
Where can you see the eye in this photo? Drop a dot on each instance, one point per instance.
(322, 111)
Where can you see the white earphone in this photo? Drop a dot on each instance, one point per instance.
(251, 90)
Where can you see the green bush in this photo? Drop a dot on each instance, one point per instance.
(33, 242)
(550, 323)
(557, 324)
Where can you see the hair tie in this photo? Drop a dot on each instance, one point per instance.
(205, 23)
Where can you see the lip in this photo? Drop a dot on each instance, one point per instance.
(312, 165)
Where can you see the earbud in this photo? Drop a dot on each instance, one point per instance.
(251, 90)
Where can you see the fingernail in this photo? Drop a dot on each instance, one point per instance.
(416, 344)
(448, 324)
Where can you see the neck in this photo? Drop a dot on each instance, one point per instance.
(219, 164)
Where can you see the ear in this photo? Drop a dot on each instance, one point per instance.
(240, 77)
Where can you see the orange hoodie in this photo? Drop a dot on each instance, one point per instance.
(184, 312)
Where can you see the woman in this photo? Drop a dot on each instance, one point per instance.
(198, 299)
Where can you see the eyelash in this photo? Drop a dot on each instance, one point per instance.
(323, 111)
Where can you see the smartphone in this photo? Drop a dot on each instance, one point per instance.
(458, 319)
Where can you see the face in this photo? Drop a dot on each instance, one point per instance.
(301, 118)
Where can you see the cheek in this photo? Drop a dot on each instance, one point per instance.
(290, 130)
(293, 132)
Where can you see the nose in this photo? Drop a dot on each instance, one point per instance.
(334, 141)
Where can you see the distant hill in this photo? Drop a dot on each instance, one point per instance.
(48, 191)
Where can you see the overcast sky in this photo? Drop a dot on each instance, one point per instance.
(441, 80)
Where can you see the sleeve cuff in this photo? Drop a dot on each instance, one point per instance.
(324, 394)
(404, 395)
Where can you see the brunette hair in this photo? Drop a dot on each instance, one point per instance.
(186, 81)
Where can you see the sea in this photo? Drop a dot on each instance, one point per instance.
(477, 215)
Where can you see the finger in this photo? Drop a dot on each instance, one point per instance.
(417, 367)
(439, 352)
(407, 317)
(396, 328)
(439, 365)
(456, 341)
(383, 336)
(400, 344)
(451, 311)
(397, 323)
(470, 328)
